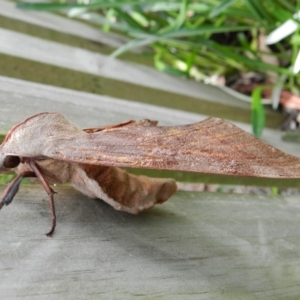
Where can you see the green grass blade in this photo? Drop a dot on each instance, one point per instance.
(220, 8)
(182, 15)
(257, 112)
(94, 5)
(133, 44)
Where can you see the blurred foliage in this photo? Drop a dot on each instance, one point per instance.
(6, 178)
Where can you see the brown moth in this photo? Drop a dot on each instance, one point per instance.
(49, 147)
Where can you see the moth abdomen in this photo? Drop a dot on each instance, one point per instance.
(125, 191)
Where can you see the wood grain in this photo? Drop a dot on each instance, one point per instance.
(196, 246)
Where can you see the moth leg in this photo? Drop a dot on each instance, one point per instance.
(49, 191)
(12, 189)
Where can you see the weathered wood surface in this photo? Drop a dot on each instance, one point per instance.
(82, 60)
(58, 23)
(196, 246)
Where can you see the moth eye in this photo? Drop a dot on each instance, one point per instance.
(11, 161)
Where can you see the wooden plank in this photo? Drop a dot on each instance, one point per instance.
(61, 24)
(196, 246)
(94, 63)
(19, 98)
(53, 75)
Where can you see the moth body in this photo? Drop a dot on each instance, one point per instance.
(120, 189)
(54, 150)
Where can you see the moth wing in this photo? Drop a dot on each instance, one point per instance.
(130, 123)
(211, 146)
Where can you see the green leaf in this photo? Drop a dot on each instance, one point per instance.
(274, 191)
(182, 15)
(295, 40)
(257, 112)
(93, 5)
(220, 8)
(132, 44)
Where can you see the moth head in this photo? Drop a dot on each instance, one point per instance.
(8, 162)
